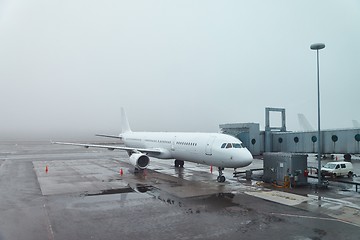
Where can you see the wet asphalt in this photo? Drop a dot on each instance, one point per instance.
(84, 196)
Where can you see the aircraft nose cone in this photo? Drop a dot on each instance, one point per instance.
(248, 158)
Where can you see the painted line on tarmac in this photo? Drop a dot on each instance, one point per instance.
(48, 223)
(318, 218)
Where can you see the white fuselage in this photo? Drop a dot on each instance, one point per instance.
(213, 149)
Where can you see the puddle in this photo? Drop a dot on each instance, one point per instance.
(196, 205)
(140, 188)
(111, 191)
(189, 205)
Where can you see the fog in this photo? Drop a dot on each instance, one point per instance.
(67, 67)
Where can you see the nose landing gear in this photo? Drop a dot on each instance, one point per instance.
(221, 177)
(179, 163)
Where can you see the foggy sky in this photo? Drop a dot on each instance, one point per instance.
(67, 67)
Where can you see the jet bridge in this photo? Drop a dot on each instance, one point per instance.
(279, 139)
(248, 133)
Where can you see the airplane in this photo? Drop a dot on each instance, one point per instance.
(213, 149)
(304, 123)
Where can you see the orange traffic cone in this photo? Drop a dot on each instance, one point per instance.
(46, 169)
(121, 172)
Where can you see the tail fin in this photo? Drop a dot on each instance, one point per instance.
(125, 127)
(304, 123)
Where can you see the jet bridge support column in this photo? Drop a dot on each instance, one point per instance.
(269, 129)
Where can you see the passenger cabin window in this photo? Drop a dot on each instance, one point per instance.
(337, 166)
(343, 165)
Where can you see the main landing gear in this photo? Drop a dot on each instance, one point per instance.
(179, 163)
(221, 177)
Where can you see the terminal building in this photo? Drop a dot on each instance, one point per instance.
(278, 139)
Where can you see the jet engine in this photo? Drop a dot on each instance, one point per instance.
(139, 160)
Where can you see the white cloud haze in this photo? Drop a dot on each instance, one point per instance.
(66, 67)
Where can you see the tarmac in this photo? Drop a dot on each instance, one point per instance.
(68, 192)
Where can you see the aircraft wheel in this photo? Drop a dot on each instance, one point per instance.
(179, 163)
(221, 178)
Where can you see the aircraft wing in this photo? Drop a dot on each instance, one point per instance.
(109, 136)
(113, 147)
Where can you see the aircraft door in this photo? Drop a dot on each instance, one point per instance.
(173, 144)
(208, 148)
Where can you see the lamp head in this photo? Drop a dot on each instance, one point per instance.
(317, 46)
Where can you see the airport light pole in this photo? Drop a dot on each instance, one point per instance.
(317, 47)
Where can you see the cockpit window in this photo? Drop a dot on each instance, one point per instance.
(237, 145)
(232, 145)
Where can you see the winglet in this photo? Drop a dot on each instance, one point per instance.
(125, 127)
